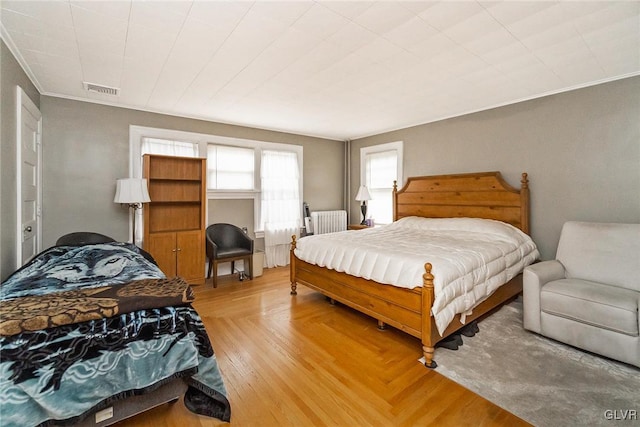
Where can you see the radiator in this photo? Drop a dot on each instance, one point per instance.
(328, 221)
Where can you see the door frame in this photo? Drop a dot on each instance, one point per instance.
(23, 100)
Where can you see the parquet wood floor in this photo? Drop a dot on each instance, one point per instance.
(299, 361)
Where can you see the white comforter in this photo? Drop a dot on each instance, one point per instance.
(471, 257)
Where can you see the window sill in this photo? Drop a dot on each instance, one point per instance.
(232, 194)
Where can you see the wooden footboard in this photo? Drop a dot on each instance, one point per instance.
(406, 309)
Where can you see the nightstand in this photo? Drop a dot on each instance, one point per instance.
(357, 226)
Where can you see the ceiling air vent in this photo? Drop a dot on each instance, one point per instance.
(92, 87)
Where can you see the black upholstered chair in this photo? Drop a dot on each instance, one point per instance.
(83, 238)
(228, 243)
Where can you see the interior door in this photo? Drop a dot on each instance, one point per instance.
(28, 178)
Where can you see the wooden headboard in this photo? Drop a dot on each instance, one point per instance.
(475, 195)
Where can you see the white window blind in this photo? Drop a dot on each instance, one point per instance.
(230, 168)
(168, 147)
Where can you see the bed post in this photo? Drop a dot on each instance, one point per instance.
(428, 296)
(524, 203)
(395, 200)
(292, 266)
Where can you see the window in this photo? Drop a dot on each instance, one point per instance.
(233, 164)
(280, 193)
(280, 216)
(230, 168)
(380, 165)
(169, 147)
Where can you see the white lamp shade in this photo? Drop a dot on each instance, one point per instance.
(131, 190)
(363, 194)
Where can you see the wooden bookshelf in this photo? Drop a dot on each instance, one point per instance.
(174, 220)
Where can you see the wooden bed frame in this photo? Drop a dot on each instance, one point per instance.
(479, 195)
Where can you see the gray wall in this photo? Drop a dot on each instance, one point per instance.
(11, 75)
(86, 148)
(239, 212)
(581, 150)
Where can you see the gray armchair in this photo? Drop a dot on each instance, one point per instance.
(589, 295)
(228, 243)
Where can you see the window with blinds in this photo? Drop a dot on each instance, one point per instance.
(233, 164)
(168, 147)
(230, 168)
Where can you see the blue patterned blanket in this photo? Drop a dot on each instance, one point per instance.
(65, 373)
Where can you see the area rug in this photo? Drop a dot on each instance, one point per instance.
(542, 381)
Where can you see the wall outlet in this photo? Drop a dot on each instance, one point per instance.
(105, 414)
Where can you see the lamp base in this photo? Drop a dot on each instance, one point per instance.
(135, 207)
(363, 209)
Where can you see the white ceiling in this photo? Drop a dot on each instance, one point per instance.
(339, 70)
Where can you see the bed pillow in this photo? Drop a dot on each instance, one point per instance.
(499, 229)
